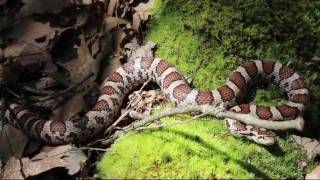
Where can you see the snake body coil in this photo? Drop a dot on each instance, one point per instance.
(176, 89)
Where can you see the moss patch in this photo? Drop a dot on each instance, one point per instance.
(206, 40)
(202, 149)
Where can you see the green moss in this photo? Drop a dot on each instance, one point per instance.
(251, 28)
(206, 40)
(200, 149)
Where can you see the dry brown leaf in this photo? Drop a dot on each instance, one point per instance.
(133, 50)
(142, 14)
(111, 7)
(44, 83)
(136, 22)
(75, 161)
(118, 40)
(32, 40)
(72, 156)
(112, 22)
(66, 156)
(78, 69)
(2, 2)
(12, 169)
(142, 102)
(44, 6)
(89, 55)
(70, 110)
(13, 50)
(34, 33)
(12, 142)
(144, 6)
(53, 7)
(83, 65)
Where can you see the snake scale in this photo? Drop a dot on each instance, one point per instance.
(176, 89)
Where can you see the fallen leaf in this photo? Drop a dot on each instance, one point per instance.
(66, 156)
(44, 6)
(142, 102)
(144, 6)
(112, 22)
(73, 157)
(34, 33)
(111, 7)
(136, 22)
(142, 14)
(75, 161)
(13, 168)
(134, 50)
(12, 142)
(13, 50)
(71, 108)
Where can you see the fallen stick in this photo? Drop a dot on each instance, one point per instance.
(219, 112)
(296, 123)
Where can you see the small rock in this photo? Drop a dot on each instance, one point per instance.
(315, 173)
(297, 139)
(305, 140)
(315, 58)
(311, 147)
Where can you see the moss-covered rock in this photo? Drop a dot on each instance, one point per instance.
(206, 40)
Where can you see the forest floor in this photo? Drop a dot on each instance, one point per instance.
(57, 54)
(206, 41)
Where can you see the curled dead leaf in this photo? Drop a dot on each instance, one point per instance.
(66, 156)
(12, 146)
(142, 102)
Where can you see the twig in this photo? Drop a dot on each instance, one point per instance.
(36, 91)
(207, 109)
(136, 115)
(200, 115)
(66, 90)
(211, 110)
(12, 92)
(114, 125)
(23, 55)
(93, 149)
(139, 91)
(127, 110)
(164, 125)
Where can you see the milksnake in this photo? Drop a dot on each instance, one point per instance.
(176, 89)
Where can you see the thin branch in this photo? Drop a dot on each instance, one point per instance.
(37, 91)
(218, 112)
(127, 110)
(210, 110)
(139, 91)
(137, 115)
(114, 125)
(70, 88)
(165, 125)
(92, 149)
(22, 55)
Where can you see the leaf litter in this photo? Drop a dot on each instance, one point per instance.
(53, 57)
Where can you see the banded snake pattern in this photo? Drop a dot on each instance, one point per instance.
(176, 89)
